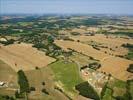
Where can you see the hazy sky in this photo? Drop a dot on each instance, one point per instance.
(67, 6)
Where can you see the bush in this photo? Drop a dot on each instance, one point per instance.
(16, 94)
(37, 68)
(91, 58)
(6, 97)
(45, 91)
(84, 67)
(39, 45)
(130, 68)
(78, 40)
(43, 83)
(32, 89)
(75, 33)
(96, 48)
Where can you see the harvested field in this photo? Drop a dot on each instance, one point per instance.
(110, 64)
(6, 72)
(82, 48)
(9, 77)
(113, 42)
(36, 77)
(24, 56)
(101, 38)
(81, 31)
(116, 67)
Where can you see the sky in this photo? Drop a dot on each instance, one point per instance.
(66, 6)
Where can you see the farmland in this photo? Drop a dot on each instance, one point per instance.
(108, 62)
(16, 56)
(9, 76)
(67, 57)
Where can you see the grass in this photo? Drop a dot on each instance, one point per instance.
(130, 88)
(117, 83)
(118, 88)
(67, 73)
(108, 94)
(130, 55)
(119, 91)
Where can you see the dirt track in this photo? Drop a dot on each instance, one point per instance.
(24, 56)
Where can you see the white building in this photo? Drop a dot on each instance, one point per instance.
(1, 83)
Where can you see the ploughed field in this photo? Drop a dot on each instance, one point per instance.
(24, 56)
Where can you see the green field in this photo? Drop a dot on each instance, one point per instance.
(115, 88)
(117, 83)
(67, 73)
(108, 94)
(130, 88)
(130, 55)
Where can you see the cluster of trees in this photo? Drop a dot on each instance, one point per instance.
(45, 43)
(130, 34)
(86, 90)
(38, 27)
(15, 20)
(24, 85)
(6, 97)
(129, 46)
(91, 22)
(130, 53)
(23, 82)
(94, 65)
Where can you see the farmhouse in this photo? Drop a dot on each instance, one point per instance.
(3, 39)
